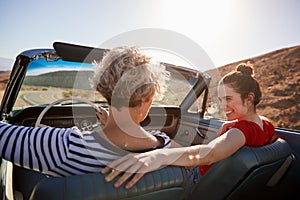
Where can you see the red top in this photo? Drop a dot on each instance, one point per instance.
(254, 135)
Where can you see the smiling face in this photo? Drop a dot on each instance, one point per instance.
(231, 103)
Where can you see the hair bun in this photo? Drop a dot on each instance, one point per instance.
(246, 69)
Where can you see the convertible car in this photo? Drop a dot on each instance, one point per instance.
(53, 87)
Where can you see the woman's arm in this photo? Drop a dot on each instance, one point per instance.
(29, 147)
(139, 164)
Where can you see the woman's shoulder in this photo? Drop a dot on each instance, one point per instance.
(247, 126)
(266, 121)
(254, 134)
(244, 123)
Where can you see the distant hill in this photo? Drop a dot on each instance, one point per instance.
(278, 73)
(68, 79)
(4, 76)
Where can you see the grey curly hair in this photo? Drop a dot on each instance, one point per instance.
(125, 76)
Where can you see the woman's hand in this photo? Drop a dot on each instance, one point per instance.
(102, 115)
(135, 165)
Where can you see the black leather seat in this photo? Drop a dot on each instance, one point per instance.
(245, 173)
(166, 183)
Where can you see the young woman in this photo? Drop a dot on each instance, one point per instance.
(239, 93)
(125, 77)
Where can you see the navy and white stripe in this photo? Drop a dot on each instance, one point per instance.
(164, 136)
(59, 151)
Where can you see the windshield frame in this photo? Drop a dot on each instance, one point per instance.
(25, 58)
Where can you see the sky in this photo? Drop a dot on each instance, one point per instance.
(226, 30)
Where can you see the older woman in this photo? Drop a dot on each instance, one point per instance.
(128, 81)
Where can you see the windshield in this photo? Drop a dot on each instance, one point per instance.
(47, 81)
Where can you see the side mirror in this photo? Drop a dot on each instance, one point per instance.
(212, 109)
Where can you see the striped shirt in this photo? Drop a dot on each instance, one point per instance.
(59, 151)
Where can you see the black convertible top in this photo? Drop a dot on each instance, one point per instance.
(77, 53)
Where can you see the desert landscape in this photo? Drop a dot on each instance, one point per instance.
(4, 75)
(278, 73)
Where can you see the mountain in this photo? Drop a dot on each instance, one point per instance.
(278, 73)
(68, 79)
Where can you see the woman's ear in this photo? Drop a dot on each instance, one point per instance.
(250, 98)
(147, 100)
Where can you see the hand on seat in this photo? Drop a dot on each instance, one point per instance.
(133, 165)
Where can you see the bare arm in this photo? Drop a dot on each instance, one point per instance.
(139, 164)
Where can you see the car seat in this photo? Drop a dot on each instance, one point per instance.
(166, 183)
(245, 173)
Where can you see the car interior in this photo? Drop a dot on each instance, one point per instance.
(250, 171)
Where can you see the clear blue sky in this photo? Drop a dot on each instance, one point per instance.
(228, 30)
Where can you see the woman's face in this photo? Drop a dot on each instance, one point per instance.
(231, 103)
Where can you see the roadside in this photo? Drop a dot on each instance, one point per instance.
(1, 94)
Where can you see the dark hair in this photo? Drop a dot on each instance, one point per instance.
(243, 82)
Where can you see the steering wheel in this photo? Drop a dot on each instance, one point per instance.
(87, 126)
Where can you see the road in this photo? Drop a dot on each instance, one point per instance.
(41, 97)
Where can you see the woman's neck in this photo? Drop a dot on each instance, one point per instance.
(122, 118)
(121, 127)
